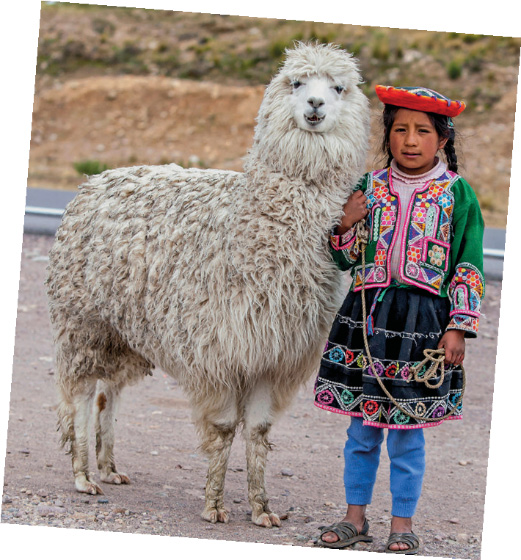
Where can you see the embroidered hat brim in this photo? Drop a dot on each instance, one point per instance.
(419, 99)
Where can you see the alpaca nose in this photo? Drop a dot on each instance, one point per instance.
(315, 102)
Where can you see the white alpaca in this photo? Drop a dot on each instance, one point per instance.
(221, 279)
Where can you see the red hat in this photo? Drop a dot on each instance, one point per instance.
(419, 99)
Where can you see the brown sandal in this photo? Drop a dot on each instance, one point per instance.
(410, 539)
(347, 534)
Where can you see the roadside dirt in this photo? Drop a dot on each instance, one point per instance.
(156, 446)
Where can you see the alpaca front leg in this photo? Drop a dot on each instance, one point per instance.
(216, 422)
(258, 418)
(105, 407)
(217, 444)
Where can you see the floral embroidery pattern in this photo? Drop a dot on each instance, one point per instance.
(413, 254)
(426, 246)
(435, 190)
(387, 218)
(420, 409)
(418, 214)
(347, 397)
(379, 258)
(438, 412)
(346, 394)
(371, 407)
(437, 255)
(401, 418)
(390, 371)
(377, 369)
(336, 355)
(466, 292)
(325, 397)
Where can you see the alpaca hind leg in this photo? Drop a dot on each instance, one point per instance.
(257, 424)
(105, 407)
(217, 424)
(74, 419)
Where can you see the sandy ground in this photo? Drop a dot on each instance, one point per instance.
(156, 446)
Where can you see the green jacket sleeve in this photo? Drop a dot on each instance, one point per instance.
(467, 285)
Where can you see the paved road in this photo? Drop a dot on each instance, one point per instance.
(46, 225)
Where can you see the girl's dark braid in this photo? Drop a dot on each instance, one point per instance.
(443, 125)
(450, 152)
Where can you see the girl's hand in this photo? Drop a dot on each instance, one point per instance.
(454, 343)
(355, 209)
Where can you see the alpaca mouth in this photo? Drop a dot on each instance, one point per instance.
(314, 119)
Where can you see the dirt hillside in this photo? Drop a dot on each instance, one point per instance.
(123, 86)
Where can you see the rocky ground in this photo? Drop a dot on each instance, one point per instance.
(156, 446)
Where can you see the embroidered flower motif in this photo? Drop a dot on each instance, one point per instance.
(439, 412)
(405, 373)
(379, 258)
(379, 274)
(473, 279)
(347, 397)
(413, 254)
(336, 355)
(387, 217)
(422, 371)
(437, 255)
(420, 409)
(377, 369)
(435, 190)
(419, 213)
(360, 361)
(390, 371)
(325, 397)
(349, 356)
(380, 191)
(445, 200)
(454, 400)
(371, 407)
(412, 270)
(401, 418)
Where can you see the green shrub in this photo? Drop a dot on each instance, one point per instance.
(90, 167)
(454, 69)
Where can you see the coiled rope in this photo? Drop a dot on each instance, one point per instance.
(436, 356)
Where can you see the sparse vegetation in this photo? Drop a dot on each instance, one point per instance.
(206, 46)
(90, 167)
(101, 42)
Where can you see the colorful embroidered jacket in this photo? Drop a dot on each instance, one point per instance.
(441, 249)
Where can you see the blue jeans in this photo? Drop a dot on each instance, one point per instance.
(406, 449)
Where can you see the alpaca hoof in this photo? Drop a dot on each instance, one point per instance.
(87, 486)
(115, 478)
(216, 515)
(267, 520)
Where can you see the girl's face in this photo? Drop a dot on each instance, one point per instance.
(414, 142)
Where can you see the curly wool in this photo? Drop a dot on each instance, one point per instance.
(219, 278)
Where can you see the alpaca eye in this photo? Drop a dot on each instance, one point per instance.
(296, 84)
(339, 89)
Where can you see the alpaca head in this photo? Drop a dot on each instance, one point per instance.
(313, 115)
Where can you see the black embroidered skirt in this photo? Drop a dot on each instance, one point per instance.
(404, 322)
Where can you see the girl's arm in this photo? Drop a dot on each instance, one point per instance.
(454, 343)
(355, 209)
(343, 240)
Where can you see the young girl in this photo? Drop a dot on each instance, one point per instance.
(423, 290)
